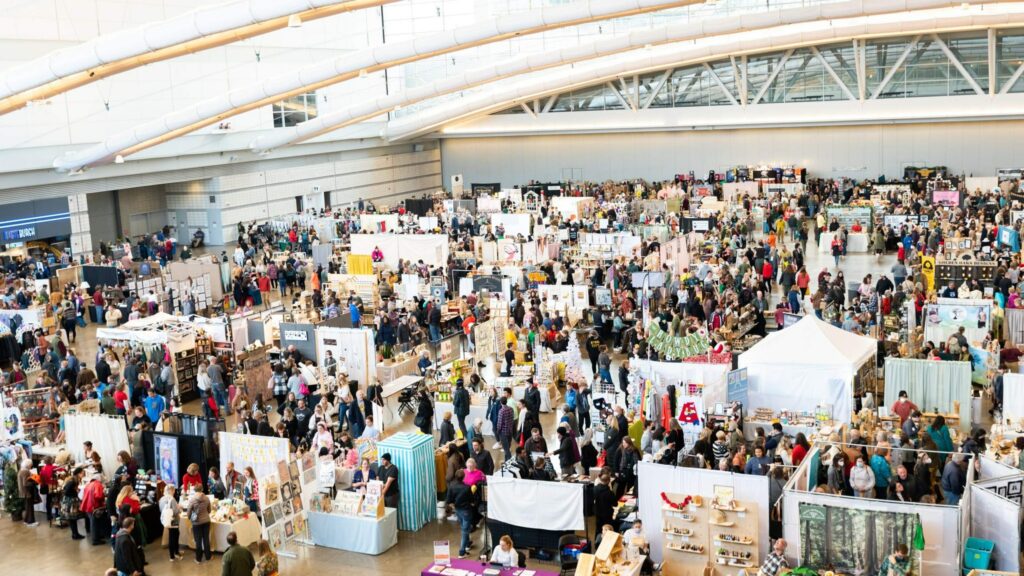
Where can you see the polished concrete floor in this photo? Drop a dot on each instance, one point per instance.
(49, 550)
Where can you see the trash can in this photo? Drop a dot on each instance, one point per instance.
(977, 553)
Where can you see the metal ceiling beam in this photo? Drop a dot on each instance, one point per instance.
(831, 72)
(957, 64)
(895, 67)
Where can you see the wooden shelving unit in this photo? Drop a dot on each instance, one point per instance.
(685, 535)
(705, 535)
(733, 535)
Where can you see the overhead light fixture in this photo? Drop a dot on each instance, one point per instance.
(118, 159)
(294, 21)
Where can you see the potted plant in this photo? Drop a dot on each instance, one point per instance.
(13, 503)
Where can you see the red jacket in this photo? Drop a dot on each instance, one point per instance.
(92, 498)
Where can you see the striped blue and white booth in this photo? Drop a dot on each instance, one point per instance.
(413, 454)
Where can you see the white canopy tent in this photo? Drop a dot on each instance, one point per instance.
(804, 365)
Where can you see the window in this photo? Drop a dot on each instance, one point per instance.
(291, 111)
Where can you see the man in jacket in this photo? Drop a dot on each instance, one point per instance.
(238, 561)
(434, 321)
(461, 498)
(127, 558)
(905, 487)
(506, 427)
(583, 407)
(483, 458)
(954, 479)
(460, 404)
(532, 398)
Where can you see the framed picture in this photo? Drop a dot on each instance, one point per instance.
(271, 491)
(296, 504)
(286, 491)
(308, 461)
(275, 536)
(309, 476)
(286, 508)
(289, 529)
(1015, 498)
(1001, 490)
(272, 515)
(293, 468)
(282, 471)
(1014, 488)
(299, 524)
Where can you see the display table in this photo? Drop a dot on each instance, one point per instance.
(855, 242)
(248, 530)
(354, 533)
(389, 411)
(476, 568)
(548, 396)
(390, 372)
(40, 451)
(750, 429)
(475, 411)
(150, 514)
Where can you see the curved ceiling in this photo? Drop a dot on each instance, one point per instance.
(506, 94)
(604, 47)
(349, 66)
(125, 50)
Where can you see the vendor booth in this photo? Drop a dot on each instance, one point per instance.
(378, 222)
(663, 489)
(413, 454)
(352, 348)
(572, 207)
(107, 434)
(430, 248)
(806, 365)
(514, 224)
(945, 386)
(948, 315)
(822, 529)
(534, 513)
(151, 334)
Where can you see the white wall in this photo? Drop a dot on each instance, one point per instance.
(858, 151)
(260, 195)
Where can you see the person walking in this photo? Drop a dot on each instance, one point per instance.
(199, 515)
(170, 518)
(460, 404)
(28, 489)
(128, 557)
(238, 561)
(461, 498)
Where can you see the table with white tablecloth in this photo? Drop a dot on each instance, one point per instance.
(354, 533)
(247, 528)
(475, 411)
(389, 415)
(855, 242)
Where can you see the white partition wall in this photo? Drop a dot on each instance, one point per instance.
(653, 479)
(997, 519)
(941, 526)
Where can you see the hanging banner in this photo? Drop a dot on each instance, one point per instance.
(676, 347)
(736, 386)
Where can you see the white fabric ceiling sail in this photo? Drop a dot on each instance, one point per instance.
(604, 47)
(559, 80)
(349, 66)
(193, 31)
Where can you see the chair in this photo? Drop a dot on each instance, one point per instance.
(405, 400)
(522, 559)
(567, 562)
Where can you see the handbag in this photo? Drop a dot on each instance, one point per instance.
(419, 421)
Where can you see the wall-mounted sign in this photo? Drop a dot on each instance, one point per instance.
(295, 335)
(19, 233)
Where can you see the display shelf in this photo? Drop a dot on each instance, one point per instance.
(685, 538)
(735, 540)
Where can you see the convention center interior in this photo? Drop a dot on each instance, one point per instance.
(512, 287)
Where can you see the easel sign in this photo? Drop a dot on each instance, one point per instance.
(442, 552)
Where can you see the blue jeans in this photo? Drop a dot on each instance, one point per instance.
(435, 332)
(466, 524)
(951, 499)
(220, 396)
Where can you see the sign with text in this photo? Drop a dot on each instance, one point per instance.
(737, 385)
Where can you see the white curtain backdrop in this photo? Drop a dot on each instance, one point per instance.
(547, 505)
(930, 384)
(107, 434)
(1013, 396)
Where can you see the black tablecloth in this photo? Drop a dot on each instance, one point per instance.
(526, 537)
(150, 514)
